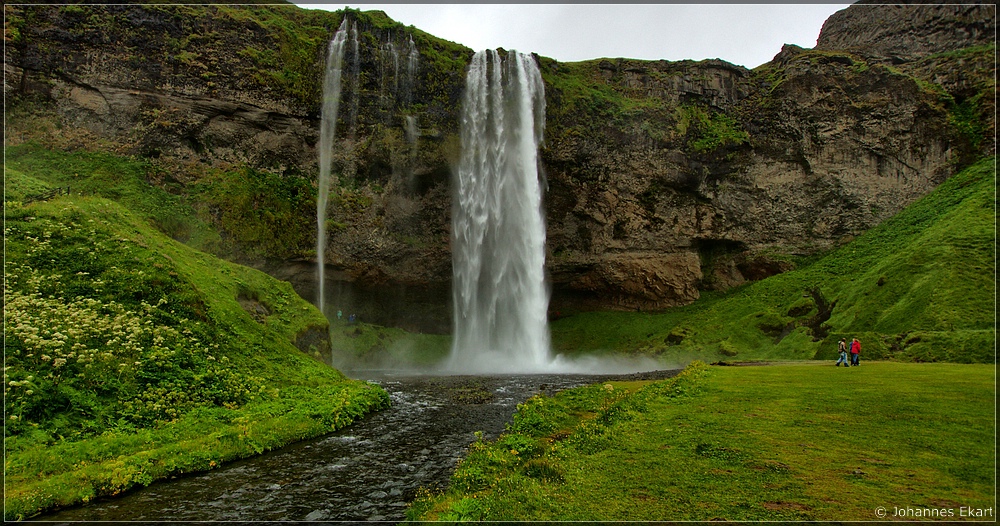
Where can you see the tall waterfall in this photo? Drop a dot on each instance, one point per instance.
(327, 131)
(498, 231)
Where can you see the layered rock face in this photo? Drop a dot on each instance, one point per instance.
(219, 86)
(663, 178)
(905, 33)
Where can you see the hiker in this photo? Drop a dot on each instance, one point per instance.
(843, 353)
(855, 351)
(340, 314)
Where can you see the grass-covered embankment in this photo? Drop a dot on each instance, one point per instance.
(131, 357)
(789, 442)
(918, 287)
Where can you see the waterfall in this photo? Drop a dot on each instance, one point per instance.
(412, 57)
(395, 68)
(327, 131)
(388, 58)
(355, 76)
(498, 231)
(412, 134)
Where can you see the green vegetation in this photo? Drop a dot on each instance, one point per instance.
(373, 345)
(252, 205)
(247, 205)
(588, 98)
(918, 287)
(967, 118)
(707, 132)
(122, 179)
(792, 442)
(128, 355)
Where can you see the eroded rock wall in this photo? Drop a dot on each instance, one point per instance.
(663, 178)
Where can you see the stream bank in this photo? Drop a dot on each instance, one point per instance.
(369, 471)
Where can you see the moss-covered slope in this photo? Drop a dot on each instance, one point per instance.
(130, 357)
(919, 287)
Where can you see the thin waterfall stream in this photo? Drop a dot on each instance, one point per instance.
(327, 134)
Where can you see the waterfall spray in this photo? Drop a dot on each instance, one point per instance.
(327, 131)
(498, 231)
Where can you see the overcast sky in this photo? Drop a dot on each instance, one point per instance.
(745, 34)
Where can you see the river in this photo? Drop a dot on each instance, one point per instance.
(369, 471)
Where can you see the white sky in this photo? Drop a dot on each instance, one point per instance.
(744, 34)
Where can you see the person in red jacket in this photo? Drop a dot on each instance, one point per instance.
(855, 351)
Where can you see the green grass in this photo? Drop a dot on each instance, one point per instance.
(368, 345)
(232, 213)
(919, 287)
(129, 358)
(789, 442)
(122, 179)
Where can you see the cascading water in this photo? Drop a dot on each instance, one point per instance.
(355, 76)
(412, 135)
(395, 68)
(327, 131)
(412, 58)
(388, 66)
(498, 232)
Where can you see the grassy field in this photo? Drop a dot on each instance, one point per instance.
(787, 442)
(131, 357)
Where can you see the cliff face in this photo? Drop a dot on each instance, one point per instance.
(664, 178)
(905, 33)
(222, 86)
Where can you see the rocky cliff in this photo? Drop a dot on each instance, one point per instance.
(904, 33)
(664, 178)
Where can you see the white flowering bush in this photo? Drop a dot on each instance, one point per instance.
(100, 334)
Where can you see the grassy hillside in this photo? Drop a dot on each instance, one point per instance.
(793, 442)
(919, 287)
(131, 357)
(226, 212)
